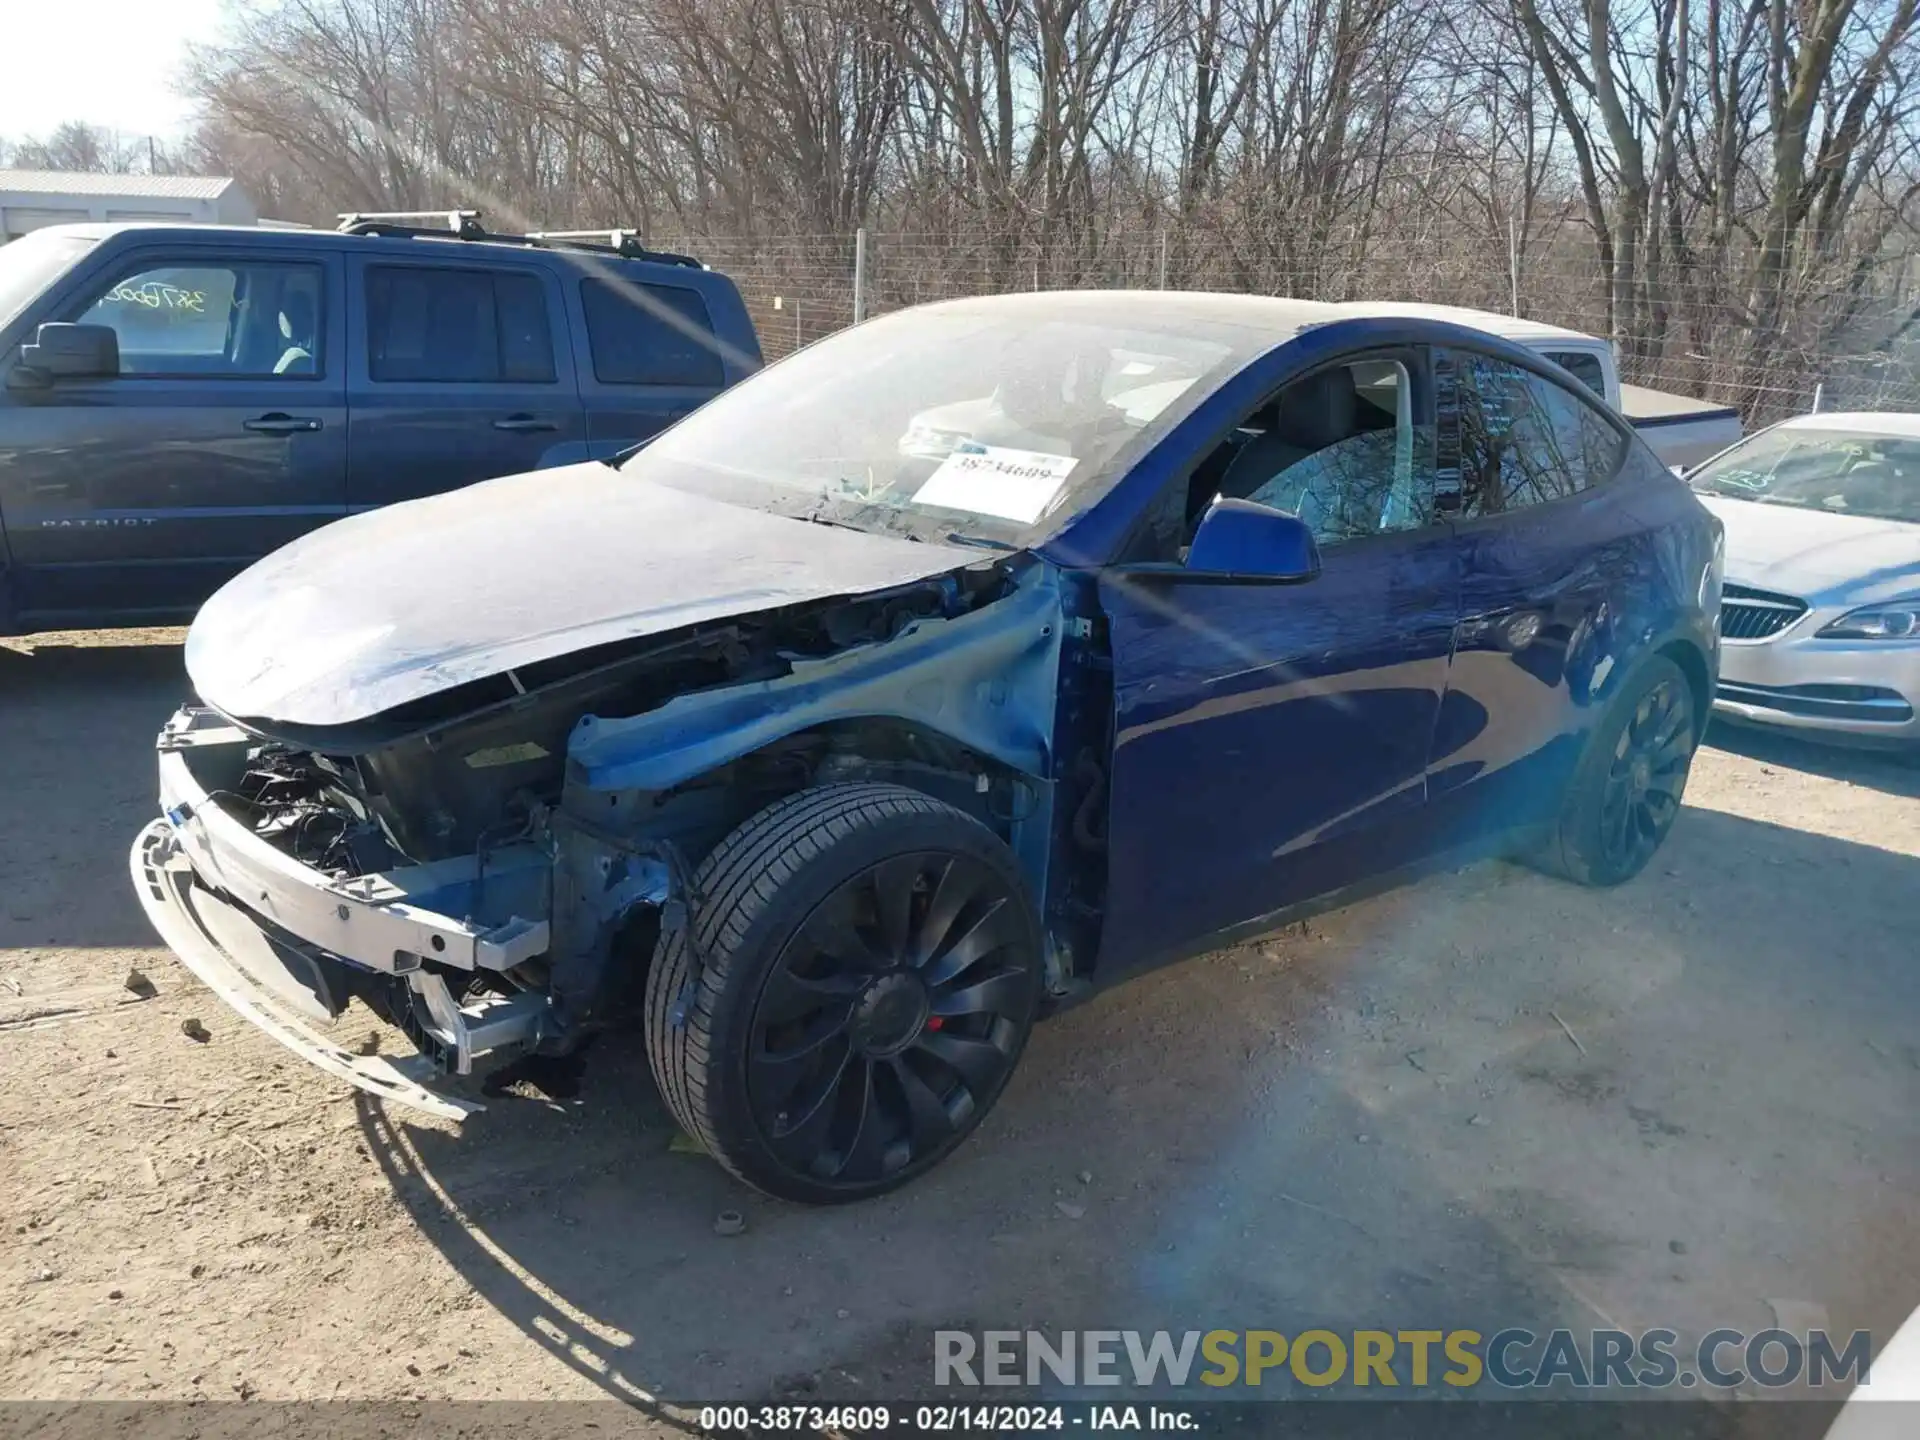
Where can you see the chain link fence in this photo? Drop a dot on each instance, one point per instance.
(1857, 349)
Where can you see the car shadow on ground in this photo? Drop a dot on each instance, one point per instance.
(1487, 1100)
(78, 723)
(1893, 772)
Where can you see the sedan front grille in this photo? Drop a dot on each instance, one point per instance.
(1749, 614)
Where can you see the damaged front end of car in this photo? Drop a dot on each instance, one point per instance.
(490, 866)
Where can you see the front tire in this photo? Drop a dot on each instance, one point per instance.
(870, 967)
(1626, 788)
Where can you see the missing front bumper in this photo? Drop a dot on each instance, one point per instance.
(233, 957)
(284, 944)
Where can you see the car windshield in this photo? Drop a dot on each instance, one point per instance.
(994, 423)
(31, 263)
(1847, 472)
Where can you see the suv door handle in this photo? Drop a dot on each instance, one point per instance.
(524, 424)
(277, 422)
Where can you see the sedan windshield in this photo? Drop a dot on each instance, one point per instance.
(992, 422)
(1846, 472)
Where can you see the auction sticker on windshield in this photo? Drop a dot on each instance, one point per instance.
(994, 480)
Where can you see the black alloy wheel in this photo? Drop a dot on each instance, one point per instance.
(1647, 776)
(895, 1008)
(870, 965)
(1625, 791)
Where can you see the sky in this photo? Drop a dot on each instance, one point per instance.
(112, 63)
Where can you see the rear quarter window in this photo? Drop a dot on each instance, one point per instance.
(650, 335)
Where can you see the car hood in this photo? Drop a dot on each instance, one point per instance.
(394, 605)
(1817, 554)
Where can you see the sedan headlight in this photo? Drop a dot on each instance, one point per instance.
(1895, 620)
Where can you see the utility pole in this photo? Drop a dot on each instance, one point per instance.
(859, 274)
(1513, 271)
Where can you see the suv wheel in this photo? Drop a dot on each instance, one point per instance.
(1626, 788)
(870, 967)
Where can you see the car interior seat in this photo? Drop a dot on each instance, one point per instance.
(296, 335)
(1309, 415)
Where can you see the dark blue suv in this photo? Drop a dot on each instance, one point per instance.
(977, 657)
(179, 401)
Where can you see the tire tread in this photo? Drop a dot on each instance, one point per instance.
(736, 882)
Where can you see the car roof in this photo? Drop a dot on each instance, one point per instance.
(1275, 315)
(1893, 423)
(1280, 315)
(302, 235)
(1508, 327)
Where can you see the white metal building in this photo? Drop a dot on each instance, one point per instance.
(30, 199)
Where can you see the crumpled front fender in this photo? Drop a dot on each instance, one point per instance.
(985, 679)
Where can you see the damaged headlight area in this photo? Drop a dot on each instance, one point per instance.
(492, 868)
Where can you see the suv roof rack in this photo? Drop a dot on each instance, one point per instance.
(465, 225)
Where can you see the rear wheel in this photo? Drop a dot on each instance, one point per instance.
(1626, 789)
(869, 970)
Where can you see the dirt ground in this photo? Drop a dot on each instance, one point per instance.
(1486, 1100)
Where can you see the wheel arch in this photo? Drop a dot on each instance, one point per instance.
(1693, 664)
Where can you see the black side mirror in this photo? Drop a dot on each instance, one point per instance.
(62, 351)
(1238, 539)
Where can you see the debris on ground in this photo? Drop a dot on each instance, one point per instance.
(139, 986)
(1569, 1029)
(1069, 1209)
(195, 1031)
(684, 1144)
(729, 1222)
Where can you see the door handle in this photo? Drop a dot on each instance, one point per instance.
(277, 423)
(524, 424)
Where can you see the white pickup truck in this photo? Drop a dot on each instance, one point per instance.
(1682, 431)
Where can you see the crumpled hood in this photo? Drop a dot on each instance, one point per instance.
(398, 604)
(1817, 554)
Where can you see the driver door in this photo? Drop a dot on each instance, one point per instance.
(1271, 739)
(222, 437)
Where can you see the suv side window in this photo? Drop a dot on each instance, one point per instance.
(229, 319)
(1522, 439)
(1583, 365)
(650, 335)
(1340, 449)
(477, 326)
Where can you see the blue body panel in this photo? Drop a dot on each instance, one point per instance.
(130, 500)
(1426, 695)
(1281, 732)
(986, 679)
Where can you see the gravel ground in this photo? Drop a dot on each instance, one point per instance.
(1487, 1099)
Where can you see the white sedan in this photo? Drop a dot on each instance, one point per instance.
(1820, 616)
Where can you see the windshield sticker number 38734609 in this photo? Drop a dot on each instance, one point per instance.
(998, 481)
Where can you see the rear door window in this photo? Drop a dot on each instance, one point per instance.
(650, 335)
(1522, 439)
(473, 326)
